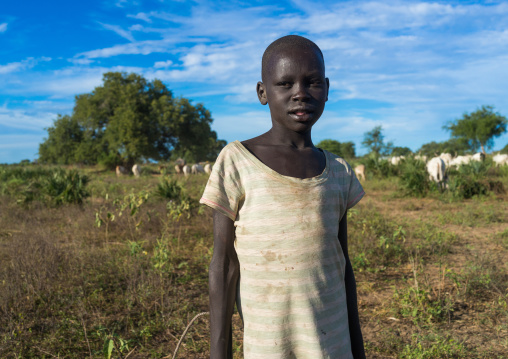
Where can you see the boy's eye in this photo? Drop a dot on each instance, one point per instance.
(286, 84)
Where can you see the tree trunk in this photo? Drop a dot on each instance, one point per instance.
(483, 149)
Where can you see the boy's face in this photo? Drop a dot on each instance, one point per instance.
(295, 88)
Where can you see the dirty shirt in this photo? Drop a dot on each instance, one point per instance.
(291, 288)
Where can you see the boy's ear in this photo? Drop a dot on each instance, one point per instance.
(327, 87)
(261, 90)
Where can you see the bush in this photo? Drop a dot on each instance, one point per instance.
(170, 189)
(66, 187)
(379, 167)
(414, 178)
(471, 180)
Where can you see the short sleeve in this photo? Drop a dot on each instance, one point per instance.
(355, 193)
(223, 191)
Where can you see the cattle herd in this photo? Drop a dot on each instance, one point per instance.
(181, 167)
(437, 166)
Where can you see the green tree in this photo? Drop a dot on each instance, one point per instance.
(128, 119)
(348, 149)
(454, 146)
(478, 128)
(344, 149)
(505, 149)
(331, 146)
(374, 141)
(64, 139)
(401, 151)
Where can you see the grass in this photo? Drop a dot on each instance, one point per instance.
(126, 270)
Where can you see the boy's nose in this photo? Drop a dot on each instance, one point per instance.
(300, 93)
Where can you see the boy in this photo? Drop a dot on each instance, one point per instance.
(280, 224)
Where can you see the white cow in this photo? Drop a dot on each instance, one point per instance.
(121, 170)
(136, 169)
(360, 172)
(186, 170)
(500, 159)
(421, 158)
(208, 168)
(178, 169)
(197, 168)
(395, 160)
(479, 156)
(437, 171)
(460, 160)
(447, 158)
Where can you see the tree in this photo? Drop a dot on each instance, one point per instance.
(331, 146)
(344, 149)
(348, 149)
(479, 128)
(374, 140)
(129, 119)
(401, 151)
(505, 149)
(454, 146)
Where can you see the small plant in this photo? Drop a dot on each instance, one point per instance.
(414, 178)
(433, 349)
(169, 189)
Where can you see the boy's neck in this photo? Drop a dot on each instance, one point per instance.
(282, 137)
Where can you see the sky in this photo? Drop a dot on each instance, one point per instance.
(409, 66)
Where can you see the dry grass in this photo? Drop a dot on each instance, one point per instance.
(432, 274)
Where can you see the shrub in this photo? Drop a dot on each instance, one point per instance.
(414, 178)
(66, 187)
(379, 167)
(170, 189)
(471, 180)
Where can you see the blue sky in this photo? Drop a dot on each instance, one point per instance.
(409, 66)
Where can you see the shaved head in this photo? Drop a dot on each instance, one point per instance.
(286, 43)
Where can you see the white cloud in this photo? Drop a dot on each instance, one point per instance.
(3, 27)
(26, 119)
(163, 64)
(141, 16)
(119, 31)
(28, 63)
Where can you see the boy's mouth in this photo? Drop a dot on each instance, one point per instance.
(301, 114)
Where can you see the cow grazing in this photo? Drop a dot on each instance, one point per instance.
(460, 160)
(395, 160)
(197, 168)
(136, 169)
(120, 171)
(421, 158)
(500, 159)
(437, 171)
(479, 156)
(186, 170)
(360, 172)
(447, 158)
(208, 168)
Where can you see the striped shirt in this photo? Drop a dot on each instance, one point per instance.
(291, 290)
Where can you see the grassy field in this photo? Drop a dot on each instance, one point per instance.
(121, 274)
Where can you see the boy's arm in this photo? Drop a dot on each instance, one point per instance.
(223, 277)
(355, 331)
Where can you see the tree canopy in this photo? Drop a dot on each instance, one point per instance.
(454, 146)
(129, 119)
(374, 141)
(401, 151)
(478, 128)
(344, 149)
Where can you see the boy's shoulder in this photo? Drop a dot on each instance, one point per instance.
(337, 163)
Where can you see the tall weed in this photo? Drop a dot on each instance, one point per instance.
(414, 178)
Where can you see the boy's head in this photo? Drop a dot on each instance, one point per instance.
(285, 43)
(294, 83)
